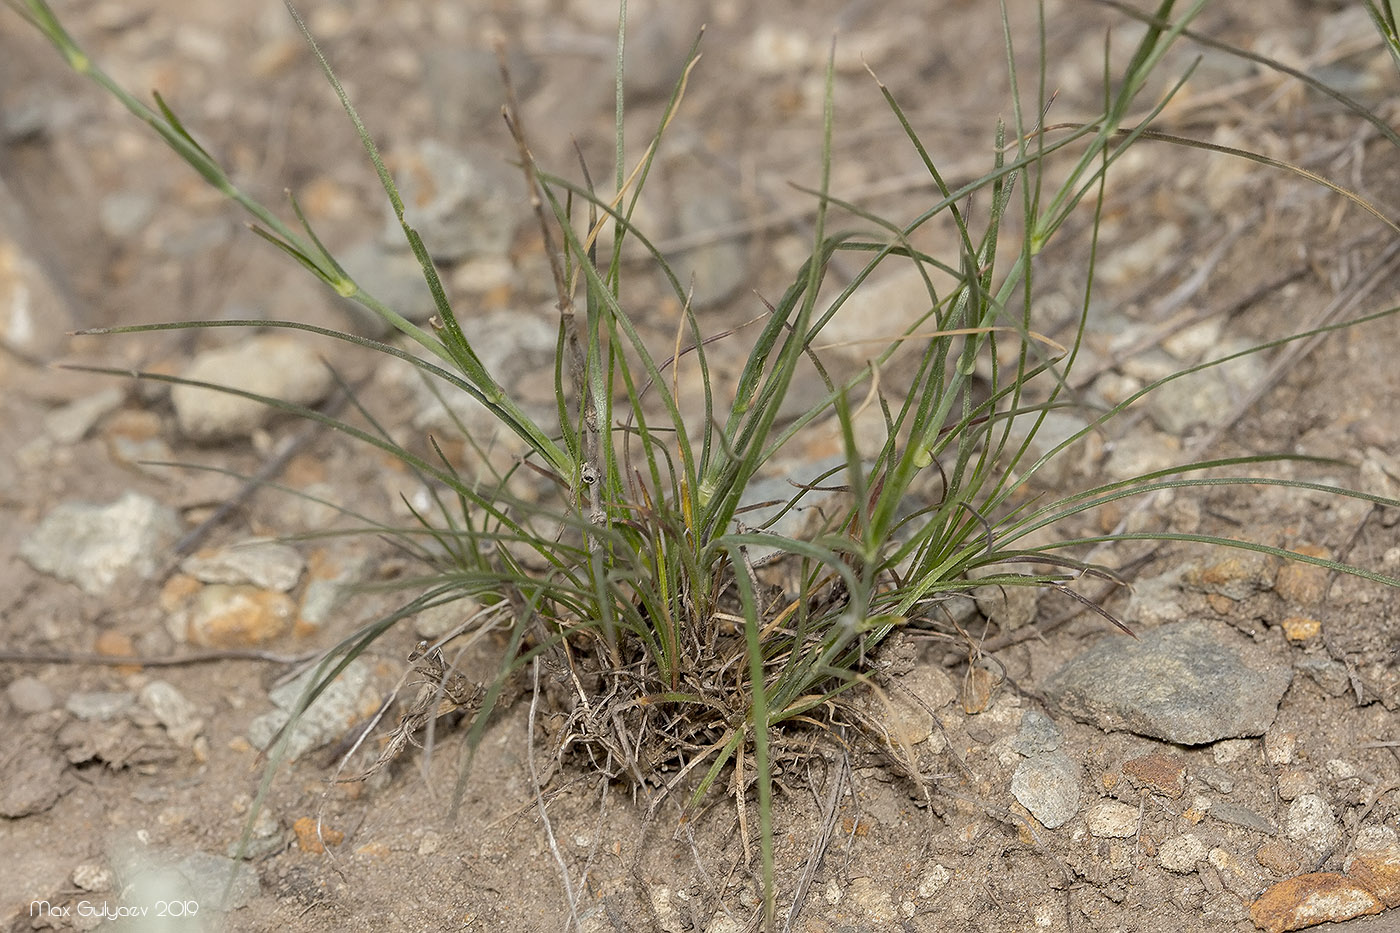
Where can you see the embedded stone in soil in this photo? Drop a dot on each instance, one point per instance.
(1186, 683)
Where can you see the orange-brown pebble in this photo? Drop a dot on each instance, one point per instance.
(1278, 857)
(1160, 773)
(309, 839)
(235, 616)
(1380, 872)
(1307, 900)
(1300, 629)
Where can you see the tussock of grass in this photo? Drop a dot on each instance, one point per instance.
(677, 657)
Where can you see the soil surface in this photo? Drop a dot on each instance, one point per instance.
(128, 787)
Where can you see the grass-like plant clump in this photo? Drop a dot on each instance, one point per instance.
(687, 657)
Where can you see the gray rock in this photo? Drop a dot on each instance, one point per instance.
(323, 595)
(1203, 397)
(515, 348)
(339, 706)
(1186, 683)
(654, 55)
(29, 695)
(763, 503)
(1312, 823)
(266, 837)
(173, 711)
(35, 312)
(94, 546)
(886, 306)
(1038, 733)
(1008, 606)
(270, 365)
(460, 205)
(99, 705)
(1047, 784)
(122, 214)
(437, 621)
(1236, 815)
(1056, 428)
(214, 882)
(71, 423)
(261, 562)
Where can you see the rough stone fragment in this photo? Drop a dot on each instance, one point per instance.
(1236, 576)
(1304, 584)
(1379, 870)
(1112, 819)
(95, 546)
(236, 616)
(350, 698)
(71, 423)
(34, 312)
(1236, 815)
(1312, 823)
(1186, 683)
(260, 562)
(29, 695)
(1159, 773)
(462, 205)
(1181, 854)
(1047, 784)
(30, 769)
(1311, 899)
(272, 366)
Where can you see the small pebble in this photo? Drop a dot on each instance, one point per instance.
(1181, 854)
(1312, 823)
(1112, 819)
(95, 546)
(99, 705)
(1294, 782)
(71, 423)
(314, 835)
(223, 616)
(271, 365)
(260, 562)
(934, 880)
(1236, 815)
(29, 695)
(90, 876)
(1280, 747)
(1162, 774)
(873, 899)
(1300, 629)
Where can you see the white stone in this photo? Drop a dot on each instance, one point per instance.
(1230, 750)
(96, 545)
(933, 880)
(274, 366)
(1340, 770)
(1112, 819)
(261, 562)
(873, 899)
(1312, 823)
(1181, 854)
(1374, 838)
